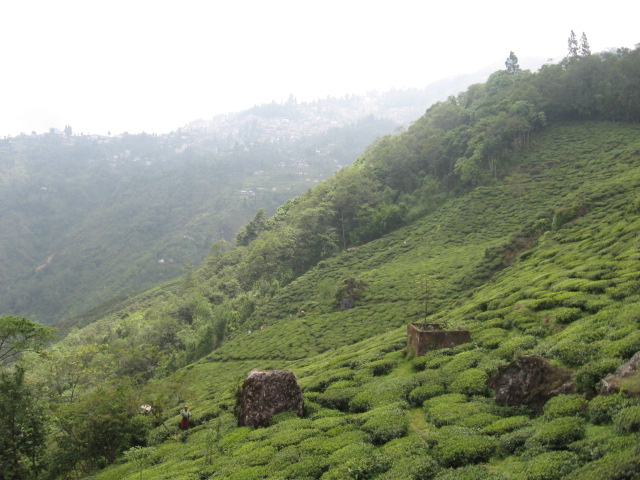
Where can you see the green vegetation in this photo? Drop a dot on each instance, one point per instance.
(88, 221)
(529, 239)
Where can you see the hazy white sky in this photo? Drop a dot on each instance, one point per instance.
(138, 65)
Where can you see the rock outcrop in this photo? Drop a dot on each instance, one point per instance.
(265, 393)
(626, 378)
(529, 380)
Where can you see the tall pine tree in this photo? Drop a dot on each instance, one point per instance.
(572, 43)
(585, 50)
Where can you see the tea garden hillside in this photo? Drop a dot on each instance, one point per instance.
(510, 210)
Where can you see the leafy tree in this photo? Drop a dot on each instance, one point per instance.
(19, 334)
(512, 64)
(96, 429)
(22, 427)
(67, 369)
(252, 229)
(585, 50)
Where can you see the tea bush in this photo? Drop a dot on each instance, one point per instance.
(507, 424)
(627, 420)
(551, 465)
(557, 433)
(477, 421)
(566, 315)
(338, 397)
(491, 337)
(565, 406)
(462, 361)
(447, 414)
(458, 447)
(418, 395)
(514, 441)
(473, 472)
(397, 447)
(470, 382)
(411, 467)
(619, 465)
(381, 367)
(386, 423)
(597, 442)
(357, 458)
(305, 467)
(602, 408)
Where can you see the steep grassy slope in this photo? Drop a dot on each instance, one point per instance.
(546, 261)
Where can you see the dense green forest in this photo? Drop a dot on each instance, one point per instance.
(88, 218)
(511, 210)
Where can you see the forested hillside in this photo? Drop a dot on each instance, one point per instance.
(511, 210)
(88, 218)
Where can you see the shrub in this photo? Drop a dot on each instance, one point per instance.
(470, 382)
(491, 337)
(472, 472)
(354, 458)
(411, 467)
(386, 423)
(598, 442)
(448, 398)
(337, 398)
(398, 447)
(551, 465)
(624, 347)
(291, 437)
(520, 317)
(326, 423)
(590, 374)
(507, 424)
(514, 441)
(362, 402)
(477, 420)
(419, 363)
(325, 412)
(515, 347)
(382, 367)
(557, 433)
(259, 456)
(231, 441)
(309, 467)
(428, 377)
(565, 406)
(424, 392)
(318, 384)
(566, 315)
(447, 414)
(430, 362)
(602, 408)
(573, 352)
(462, 361)
(459, 447)
(627, 420)
(620, 465)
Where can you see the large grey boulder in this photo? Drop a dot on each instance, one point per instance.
(529, 380)
(265, 393)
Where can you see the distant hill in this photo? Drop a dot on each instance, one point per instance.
(87, 218)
